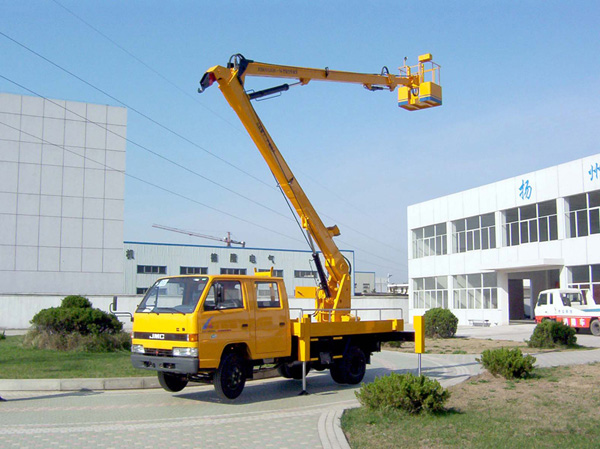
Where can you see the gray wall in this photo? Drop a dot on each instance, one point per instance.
(62, 186)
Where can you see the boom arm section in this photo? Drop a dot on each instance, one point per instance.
(334, 292)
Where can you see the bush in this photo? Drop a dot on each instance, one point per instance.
(74, 341)
(76, 325)
(550, 334)
(76, 301)
(407, 392)
(440, 323)
(83, 320)
(509, 363)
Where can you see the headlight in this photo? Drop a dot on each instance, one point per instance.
(138, 349)
(185, 352)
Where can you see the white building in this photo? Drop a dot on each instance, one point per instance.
(62, 183)
(145, 262)
(470, 251)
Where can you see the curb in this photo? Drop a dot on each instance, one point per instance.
(110, 383)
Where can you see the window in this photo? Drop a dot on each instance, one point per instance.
(583, 216)
(141, 290)
(276, 273)
(151, 269)
(173, 295)
(430, 241)
(475, 291)
(305, 274)
(586, 277)
(474, 233)
(193, 270)
(430, 292)
(214, 257)
(224, 295)
(267, 295)
(532, 223)
(233, 271)
(252, 258)
(233, 258)
(543, 299)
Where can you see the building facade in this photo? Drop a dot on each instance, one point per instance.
(145, 262)
(471, 251)
(62, 167)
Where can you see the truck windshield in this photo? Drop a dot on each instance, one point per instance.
(173, 295)
(570, 298)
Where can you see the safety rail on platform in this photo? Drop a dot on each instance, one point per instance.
(330, 312)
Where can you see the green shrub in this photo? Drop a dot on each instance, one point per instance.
(75, 341)
(509, 363)
(3, 335)
(407, 392)
(76, 319)
(440, 323)
(550, 334)
(76, 301)
(76, 325)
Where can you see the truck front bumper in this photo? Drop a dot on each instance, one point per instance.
(181, 365)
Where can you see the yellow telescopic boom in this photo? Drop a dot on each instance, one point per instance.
(418, 88)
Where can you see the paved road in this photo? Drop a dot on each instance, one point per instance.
(268, 414)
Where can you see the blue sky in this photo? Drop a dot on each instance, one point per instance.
(520, 84)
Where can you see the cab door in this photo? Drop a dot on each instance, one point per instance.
(224, 319)
(271, 320)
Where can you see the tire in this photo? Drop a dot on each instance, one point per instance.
(292, 370)
(172, 382)
(595, 327)
(356, 365)
(351, 369)
(338, 373)
(230, 378)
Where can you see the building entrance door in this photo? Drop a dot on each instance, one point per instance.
(516, 309)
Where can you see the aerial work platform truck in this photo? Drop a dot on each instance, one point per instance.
(223, 329)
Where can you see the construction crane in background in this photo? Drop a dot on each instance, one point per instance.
(228, 240)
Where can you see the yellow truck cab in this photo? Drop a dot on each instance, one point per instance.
(187, 326)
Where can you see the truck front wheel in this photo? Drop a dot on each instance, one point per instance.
(172, 382)
(595, 328)
(229, 379)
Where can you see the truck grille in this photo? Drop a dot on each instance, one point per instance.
(158, 352)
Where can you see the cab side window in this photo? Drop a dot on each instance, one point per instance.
(542, 300)
(224, 295)
(267, 295)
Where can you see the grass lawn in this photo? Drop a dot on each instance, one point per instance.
(559, 408)
(17, 362)
(462, 345)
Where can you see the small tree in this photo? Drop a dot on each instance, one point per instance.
(440, 323)
(76, 325)
(550, 334)
(508, 363)
(413, 394)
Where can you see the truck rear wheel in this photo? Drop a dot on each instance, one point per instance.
(172, 382)
(351, 369)
(229, 379)
(595, 328)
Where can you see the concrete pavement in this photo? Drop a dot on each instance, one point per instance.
(268, 414)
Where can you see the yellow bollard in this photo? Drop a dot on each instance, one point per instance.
(419, 325)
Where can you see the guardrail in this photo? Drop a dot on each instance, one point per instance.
(330, 312)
